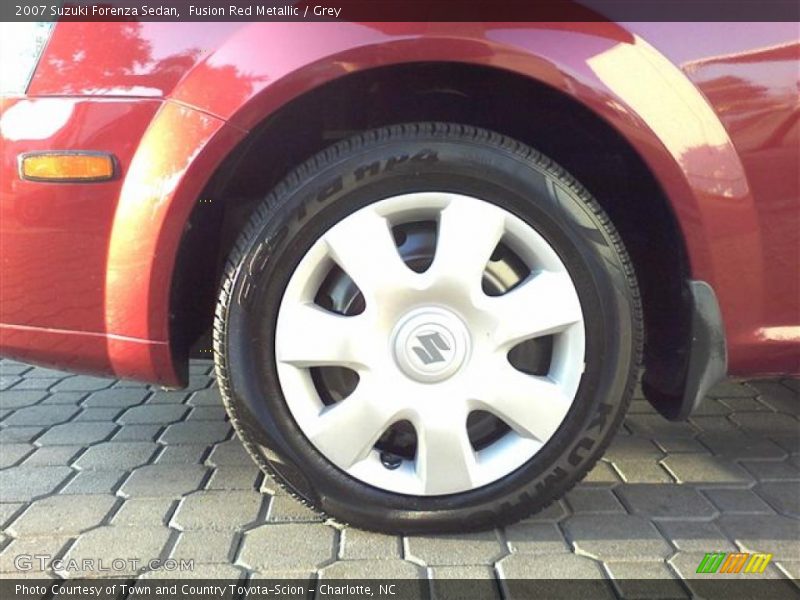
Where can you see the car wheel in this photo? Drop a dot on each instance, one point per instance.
(428, 328)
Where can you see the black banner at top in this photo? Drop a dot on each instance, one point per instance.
(400, 10)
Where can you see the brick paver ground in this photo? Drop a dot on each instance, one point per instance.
(93, 467)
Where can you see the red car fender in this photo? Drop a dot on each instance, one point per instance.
(617, 75)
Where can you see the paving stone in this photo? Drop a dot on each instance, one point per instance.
(96, 481)
(764, 533)
(737, 500)
(207, 413)
(201, 367)
(41, 415)
(137, 545)
(788, 442)
(167, 397)
(790, 568)
(195, 432)
(229, 453)
(207, 546)
(536, 538)
(482, 548)
(632, 447)
(358, 544)
(552, 513)
(76, 433)
(152, 413)
(13, 435)
(679, 444)
(265, 548)
(651, 580)
(9, 382)
(373, 569)
(217, 510)
(184, 454)
(12, 453)
(783, 496)
(164, 480)
(129, 383)
(207, 397)
(701, 468)
(778, 396)
(144, 512)
(13, 368)
(52, 456)
(83, 383)
(137, 433)
(38, 549)
(117, 455)
(115, 399)
(12, 399)
(793, 383)
(64, 398)
(695, 536)
(768, 423)
(666, 501)
(602, 473)
(587, 575)
(96, 414)
(8, 510)
(709, 407)
(47, 373)
(616, 537)
(585, 499)
(741, 445)
(60, 514)
(198, 382)
(235, 478)
(771, 470)
(285, 508)
(732, 389)
(25, 483)
(647, 470)
(650, 425)
(715, 424)
(744, 405)
(29, 384)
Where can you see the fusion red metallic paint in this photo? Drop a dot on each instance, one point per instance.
(712, 110)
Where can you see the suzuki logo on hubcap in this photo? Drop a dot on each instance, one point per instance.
(431, 344)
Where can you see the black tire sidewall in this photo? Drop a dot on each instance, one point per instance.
(482, 166)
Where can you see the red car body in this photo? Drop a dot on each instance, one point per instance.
(87, 268)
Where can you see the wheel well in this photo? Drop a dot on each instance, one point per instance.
(510, 104)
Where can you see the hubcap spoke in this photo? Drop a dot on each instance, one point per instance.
(347, 431)
(445, 458)
(544, 304)
(363, 246)
(469, 231)
(310, 336)
(533, 406)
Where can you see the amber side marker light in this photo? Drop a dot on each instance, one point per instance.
(67, 166)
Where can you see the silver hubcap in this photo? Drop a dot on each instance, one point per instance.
(433, 350)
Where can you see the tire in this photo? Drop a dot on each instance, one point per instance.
(479, 397)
